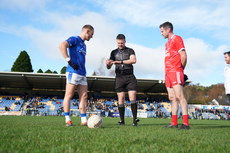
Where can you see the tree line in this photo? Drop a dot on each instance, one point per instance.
(198, 94)
(23, 64)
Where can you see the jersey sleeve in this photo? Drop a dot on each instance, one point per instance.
(179, 44)
(72, 41)
(131, 52)
(112, 55)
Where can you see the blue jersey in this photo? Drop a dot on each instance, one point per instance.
(77, 52)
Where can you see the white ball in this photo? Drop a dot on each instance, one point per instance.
(95, 121)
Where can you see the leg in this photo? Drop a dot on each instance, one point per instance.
(121, 106)
(132, 98)
(66, 103)
(174, 106)
(171, 95)
(179, 93)
(68, 95)
(82, 92)
(178, 89)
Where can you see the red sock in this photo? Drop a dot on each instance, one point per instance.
(174, 120)
(185, 120)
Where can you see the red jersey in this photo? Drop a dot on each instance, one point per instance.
(172, 54)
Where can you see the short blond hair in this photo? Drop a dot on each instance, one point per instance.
(88, 26)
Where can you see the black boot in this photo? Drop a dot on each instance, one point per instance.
(121, 108)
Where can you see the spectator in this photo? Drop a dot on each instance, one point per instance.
(227, 74)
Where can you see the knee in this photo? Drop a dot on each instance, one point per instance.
(84, 96)
(69, 95)
(180, 98)
(172, 98)
(121, 99)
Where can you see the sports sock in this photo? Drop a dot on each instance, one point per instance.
(121, 109)
(174, 120)
(67, 117)
(83, 118)
(134, 109)
(185, 120)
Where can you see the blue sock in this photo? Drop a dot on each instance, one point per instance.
(66, 113)
(83, 115)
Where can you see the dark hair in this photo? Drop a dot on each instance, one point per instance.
(121, 36)
(87, 26)
(228, 52)
(167, 25)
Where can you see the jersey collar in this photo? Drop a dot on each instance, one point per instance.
(172, 36)
(80, 39)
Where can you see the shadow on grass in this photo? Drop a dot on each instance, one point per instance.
(196, 126)
(161, 125)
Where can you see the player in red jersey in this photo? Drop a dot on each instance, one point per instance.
(175, 62)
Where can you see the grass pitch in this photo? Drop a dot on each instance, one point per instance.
(48, 134)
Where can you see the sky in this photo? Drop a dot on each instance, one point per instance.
(39, 26)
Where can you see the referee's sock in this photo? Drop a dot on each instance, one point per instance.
(121, 109)
(134, 109)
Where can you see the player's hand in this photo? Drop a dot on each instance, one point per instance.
(74, 66)
(185, 77)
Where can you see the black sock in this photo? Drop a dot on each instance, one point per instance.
(134, 110)
(121, 108)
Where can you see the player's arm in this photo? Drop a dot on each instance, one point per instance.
(183, 56)
(63, 48)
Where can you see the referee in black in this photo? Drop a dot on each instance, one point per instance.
(123, 58)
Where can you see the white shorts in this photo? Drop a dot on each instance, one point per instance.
(74, 78)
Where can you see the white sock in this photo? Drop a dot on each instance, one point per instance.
(67, 118)
(83, 119)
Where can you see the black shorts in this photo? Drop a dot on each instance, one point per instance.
(125, 83)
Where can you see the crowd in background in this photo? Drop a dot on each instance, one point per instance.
(108, 106)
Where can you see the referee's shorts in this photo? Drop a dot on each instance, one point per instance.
(125, 83)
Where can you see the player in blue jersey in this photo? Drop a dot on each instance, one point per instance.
(74, 51)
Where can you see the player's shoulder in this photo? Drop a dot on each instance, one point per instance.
(130, 50)
(177, 37)
(72, 39)
(115, 50)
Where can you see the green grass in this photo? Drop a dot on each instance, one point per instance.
(49, 134)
